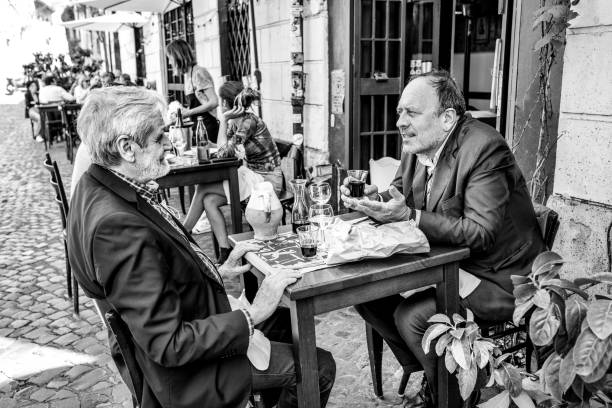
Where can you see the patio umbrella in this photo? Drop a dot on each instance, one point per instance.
(153, 6)
(108, 22)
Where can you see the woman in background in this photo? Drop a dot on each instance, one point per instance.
(241, 128)
(199, 86)
(82, 89)
(31, 111)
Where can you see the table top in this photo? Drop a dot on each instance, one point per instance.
(213, 164)
(339, 277)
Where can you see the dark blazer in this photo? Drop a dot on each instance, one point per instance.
(478, 199)
(190, 345)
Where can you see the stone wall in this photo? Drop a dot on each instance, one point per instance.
(582, 189)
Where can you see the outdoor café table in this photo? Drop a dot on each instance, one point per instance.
(215, 171)
(345, 285)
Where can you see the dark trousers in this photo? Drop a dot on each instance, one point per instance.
(278, 382)
(403, 321)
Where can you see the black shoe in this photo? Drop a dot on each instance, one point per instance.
(426, 394)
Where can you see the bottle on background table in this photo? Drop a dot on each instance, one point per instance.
(202, 142)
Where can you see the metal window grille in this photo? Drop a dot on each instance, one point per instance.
(178, 24)
(239, 42)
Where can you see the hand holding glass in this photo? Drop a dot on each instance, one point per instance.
(357, 179)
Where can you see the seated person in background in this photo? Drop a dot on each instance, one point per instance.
(52, 93)
(108, 79)
(82, 89)
(130, 253)
(124, 79)
(239, 129)
(460, 183)
(31, 111)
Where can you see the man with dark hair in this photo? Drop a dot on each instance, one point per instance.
(108, 79)
(459, 182)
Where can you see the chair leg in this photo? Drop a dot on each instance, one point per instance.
(182, 199)
(375, 349)
(68, 271)
(404, 382)
(75, 297)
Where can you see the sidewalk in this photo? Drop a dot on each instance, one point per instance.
(50, 359)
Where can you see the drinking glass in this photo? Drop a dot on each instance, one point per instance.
(307, 237)
(320, 192)
(357, 179)
(321, 215)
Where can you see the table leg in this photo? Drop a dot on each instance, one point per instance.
(447, 294)
(305, 352)
(235, 199)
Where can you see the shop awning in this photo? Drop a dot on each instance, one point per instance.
(108, 22)
(153, 6)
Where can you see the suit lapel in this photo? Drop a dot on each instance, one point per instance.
(441, 178)
(418, 185)
(121, 188)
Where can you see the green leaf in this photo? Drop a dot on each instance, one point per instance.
(567, 285)
(467, 381)
(523, 401)
(586, 281)
(469, 315)
(449, 362)
(604, 277)
(543, 326)
(601, 365)
(482, 353)
(457, 318)
(461, 353)
(575, 312)
(535, 390)
(567, 371)
(520, 311)
(501, 400)
(599, 317)
(514, 381)
(501, 358)
(547, 261)
(578, 387)
(519, 279)
(439, 318)
(588, 351)
(541, 299)
(457, 333)
(442, 343)
(431, 333)
(522, 293)
(551, 376)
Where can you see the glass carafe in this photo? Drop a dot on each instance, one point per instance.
(299, 212)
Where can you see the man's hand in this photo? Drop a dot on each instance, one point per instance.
(269, 294)
(371, 192)
(390, 211)
(233, 266)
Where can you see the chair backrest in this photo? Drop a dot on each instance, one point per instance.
(382, 172)
(126, 346)
(56, 182)
(548, 220)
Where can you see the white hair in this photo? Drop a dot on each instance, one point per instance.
(114, 111)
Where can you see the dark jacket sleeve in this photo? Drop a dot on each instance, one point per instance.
(486, 196)
(137, 284)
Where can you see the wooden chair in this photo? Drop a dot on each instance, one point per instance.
(50, 123)
(62, 202)
(515, 336)
(69, 113)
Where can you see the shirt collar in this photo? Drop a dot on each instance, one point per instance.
(147, 190)
(429, 163)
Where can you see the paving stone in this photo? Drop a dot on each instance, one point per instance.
(46, 376)
(56, 384)
(76, 371)
(66, 339)
(66, 403)
(19, 323)
(8, 403)
(88, 380)
(62, 394)
(42, 394)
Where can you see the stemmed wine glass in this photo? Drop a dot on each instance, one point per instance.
(320, 192)
(321, 215)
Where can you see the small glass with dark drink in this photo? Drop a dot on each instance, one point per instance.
(307, 237)
(357, 179)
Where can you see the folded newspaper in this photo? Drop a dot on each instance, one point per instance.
(351, 241)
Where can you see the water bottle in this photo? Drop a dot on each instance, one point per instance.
(201, 141)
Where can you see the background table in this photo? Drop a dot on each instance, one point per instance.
(215, 171)
(337, 287)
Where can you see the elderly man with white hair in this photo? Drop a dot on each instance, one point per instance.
(130, 253)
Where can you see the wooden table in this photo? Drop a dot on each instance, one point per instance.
(215, 171)
(337, 287)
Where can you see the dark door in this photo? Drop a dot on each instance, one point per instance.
(392, 40)
(141, 67)
(178, 24)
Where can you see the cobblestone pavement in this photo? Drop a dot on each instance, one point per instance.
(51, 359)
